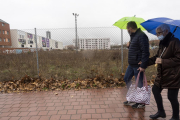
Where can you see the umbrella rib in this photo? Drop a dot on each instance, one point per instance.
(125, 24)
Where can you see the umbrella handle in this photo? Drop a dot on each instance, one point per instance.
(175, 29)
(161, 55)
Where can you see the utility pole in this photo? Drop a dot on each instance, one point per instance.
(76, 42)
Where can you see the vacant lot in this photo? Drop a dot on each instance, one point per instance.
(66, 64)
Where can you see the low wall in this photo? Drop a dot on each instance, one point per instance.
(16, 50)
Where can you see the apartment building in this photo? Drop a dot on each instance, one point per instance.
(5, 36)
(22, 39)
(92, 43)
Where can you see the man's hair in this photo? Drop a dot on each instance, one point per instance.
(164, 27)
(132, 24)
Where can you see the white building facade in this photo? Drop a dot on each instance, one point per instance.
(92, 43)
(21, 39)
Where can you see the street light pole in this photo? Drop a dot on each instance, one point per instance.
(76, 44)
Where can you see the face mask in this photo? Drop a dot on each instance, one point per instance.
(161, 37)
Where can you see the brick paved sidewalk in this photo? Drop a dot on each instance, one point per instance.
(89, 104)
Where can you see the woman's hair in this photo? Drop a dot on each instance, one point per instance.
(163, 27)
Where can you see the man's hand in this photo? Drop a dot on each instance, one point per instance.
(128, 44)
(158, 61)
(141, 69)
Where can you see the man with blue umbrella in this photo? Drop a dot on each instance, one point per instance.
(168, 64)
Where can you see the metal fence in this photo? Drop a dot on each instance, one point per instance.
(59, 54)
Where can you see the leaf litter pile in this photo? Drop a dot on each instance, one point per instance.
(27, 84)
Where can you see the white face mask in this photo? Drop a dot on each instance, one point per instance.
(161, 37)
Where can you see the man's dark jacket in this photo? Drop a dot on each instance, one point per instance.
(138, 49)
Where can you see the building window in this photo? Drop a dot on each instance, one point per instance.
(23, 36)
(20, 36)
(2, 24)
(30, 42)
(4, 40)
(3, 31)
(8, 40)
(0, 40)
(7, 33)
(0, 31)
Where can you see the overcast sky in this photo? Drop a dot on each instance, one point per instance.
(28, 14)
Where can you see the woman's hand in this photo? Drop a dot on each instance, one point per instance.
(158, 61)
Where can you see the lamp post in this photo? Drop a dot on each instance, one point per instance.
(76, 44)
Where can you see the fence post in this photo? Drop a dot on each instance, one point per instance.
(37, 52)
(122, 50)
(76, 33)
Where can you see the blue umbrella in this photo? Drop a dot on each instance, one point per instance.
(151, 25)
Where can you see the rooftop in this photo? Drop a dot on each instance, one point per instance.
(3, 21)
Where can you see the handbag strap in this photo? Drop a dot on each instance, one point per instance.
(144, 80)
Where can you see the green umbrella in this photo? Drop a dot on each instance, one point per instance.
(122, 23)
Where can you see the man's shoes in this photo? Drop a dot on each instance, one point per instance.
(174, 119)
(138, 105)
(128, 103)
(158, 114)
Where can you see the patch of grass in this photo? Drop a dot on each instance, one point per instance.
(5, 71)
(45, 88)
(63, 86)
(77, 85)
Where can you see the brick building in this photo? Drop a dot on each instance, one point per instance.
(5, 37)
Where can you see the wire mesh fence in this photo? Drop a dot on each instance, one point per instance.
(59, 55)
